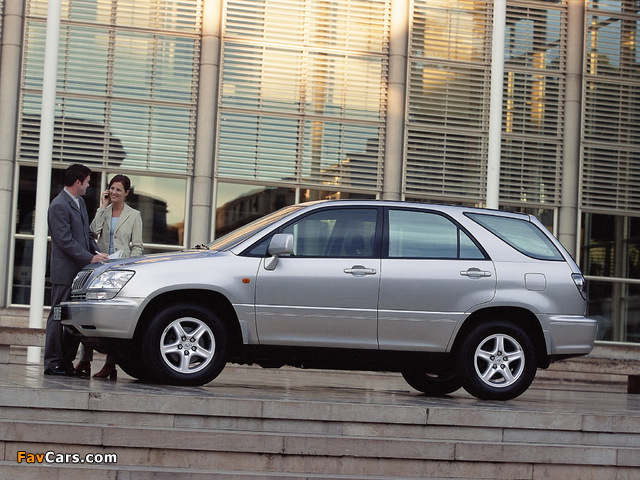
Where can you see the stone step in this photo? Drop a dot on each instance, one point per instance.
(254, 423)
(335, 440)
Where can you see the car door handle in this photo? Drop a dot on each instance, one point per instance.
(475, 273)
(360, 271)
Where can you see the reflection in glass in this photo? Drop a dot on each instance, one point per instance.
(25, 216)
(309, 194)
(22, 264)
(611, 248)
(240, 204)
(599, 308)
(162, 204)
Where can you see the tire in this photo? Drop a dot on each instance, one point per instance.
(497, 361)
(134, 367)
(433, 384)
(185, 345)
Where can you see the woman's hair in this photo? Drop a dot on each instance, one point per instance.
(123, 179)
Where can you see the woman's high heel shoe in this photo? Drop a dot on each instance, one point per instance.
(107, 371)
(83, 369)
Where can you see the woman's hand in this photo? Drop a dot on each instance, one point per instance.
(104, 199)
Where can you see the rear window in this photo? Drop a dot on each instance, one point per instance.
(521, 234)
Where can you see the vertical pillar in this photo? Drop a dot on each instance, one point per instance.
(202, 200)
(396, 101)
(568, 211)
(47, 118)
(9, 94)
(495, 104)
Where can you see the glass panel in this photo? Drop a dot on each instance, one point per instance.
(252, 228)
(358, 25)
(452, 30)
(534, 36)
(240, 204)
(445, 166)
(335, 233)
(27, 188)
(22, 266)
(446, 95)
(599, 308)
(162, 204)
(80, 134)
(611, 180)
(303, 91)
(449, 73)
(522, 235)
(154, 138)
(616, 307)
(309, 195)
(633, 314)
(144, 53)
(427, 235)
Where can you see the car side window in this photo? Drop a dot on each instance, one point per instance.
(346, 232)
(416, 234)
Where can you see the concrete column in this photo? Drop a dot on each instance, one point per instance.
(10, 57)
(202, 199)
(568, 212)
(495, 104)
(396, 101)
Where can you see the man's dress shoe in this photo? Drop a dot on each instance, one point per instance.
(60, 371)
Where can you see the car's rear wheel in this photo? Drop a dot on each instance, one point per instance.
(185, 345)
(433, 383)
(497, 361)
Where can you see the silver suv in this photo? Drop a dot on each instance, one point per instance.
(449, 297)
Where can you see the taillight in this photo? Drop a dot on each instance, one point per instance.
(581, 284)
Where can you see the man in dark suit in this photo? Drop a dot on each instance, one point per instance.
(72, 247)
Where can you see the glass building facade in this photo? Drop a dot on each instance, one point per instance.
(221, 111)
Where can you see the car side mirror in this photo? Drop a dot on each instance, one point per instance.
(280, 244)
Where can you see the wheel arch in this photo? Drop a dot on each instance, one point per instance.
(214, 301)
(521, 317)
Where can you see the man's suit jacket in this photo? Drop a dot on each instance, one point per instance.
(127, 235)
(72, 246)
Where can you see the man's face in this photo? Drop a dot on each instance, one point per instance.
(82, 187)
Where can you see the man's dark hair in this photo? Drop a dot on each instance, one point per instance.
(75, 172)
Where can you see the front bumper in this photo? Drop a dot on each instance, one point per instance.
(115, 318)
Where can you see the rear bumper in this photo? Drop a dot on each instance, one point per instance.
(569, 335)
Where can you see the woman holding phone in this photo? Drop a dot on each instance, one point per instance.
(118, 229)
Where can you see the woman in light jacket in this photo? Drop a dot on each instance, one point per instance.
(118, 228)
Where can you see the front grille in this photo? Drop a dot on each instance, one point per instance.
(81, 279)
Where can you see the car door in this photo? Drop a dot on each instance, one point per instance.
(326, 292)
(432, 273)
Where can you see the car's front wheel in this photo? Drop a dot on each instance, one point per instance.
(185, 345)
(497, 361)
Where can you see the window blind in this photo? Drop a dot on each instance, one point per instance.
(611, 144)
(127, 83)
(303, 92)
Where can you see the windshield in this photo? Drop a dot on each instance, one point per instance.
(233, 238)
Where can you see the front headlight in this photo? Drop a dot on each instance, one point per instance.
(108, 284)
